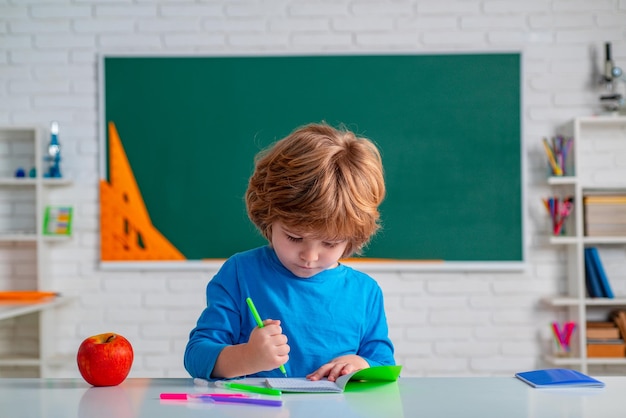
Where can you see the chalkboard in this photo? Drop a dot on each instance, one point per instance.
(448, 126)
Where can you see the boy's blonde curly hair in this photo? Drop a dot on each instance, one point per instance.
(319, 180)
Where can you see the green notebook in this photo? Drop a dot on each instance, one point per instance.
(301, 384)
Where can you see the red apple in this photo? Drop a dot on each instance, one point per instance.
(105, 359)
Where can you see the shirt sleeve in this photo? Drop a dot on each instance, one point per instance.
(219, 324)
(376, 347)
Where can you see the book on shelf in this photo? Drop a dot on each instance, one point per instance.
(604, 214)
(605, 339)
(604, 197)
(605, 286)
(598, 213)
(602, 330)
(611, 350)
(605, 230)
(598, 285)
(592, 281)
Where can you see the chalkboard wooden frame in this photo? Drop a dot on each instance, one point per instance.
(448, 125)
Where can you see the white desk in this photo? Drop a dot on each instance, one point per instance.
(409, 398)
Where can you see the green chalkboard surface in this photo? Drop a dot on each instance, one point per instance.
(448, 127)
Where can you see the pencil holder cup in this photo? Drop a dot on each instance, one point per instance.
(559, 210)
(562, 338)
(558, 149)
(563, 227)
(560, 351)
(560, 232)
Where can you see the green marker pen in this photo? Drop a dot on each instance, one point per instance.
(259, 322)
(250, 388)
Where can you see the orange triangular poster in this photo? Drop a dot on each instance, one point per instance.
(126, 231)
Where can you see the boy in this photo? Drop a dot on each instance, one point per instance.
(314, 195)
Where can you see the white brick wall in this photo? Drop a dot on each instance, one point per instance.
(447, 323)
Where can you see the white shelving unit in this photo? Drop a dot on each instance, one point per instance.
(595, 162)
(26, 346)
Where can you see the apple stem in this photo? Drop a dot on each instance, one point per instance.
(111, 338)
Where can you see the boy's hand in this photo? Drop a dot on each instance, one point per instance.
(267, 346)
(338, 367)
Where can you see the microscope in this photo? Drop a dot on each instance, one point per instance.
(611, 100)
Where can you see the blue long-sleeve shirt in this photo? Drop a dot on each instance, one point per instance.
(336, 312)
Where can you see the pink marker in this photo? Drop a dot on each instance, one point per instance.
(185, 396)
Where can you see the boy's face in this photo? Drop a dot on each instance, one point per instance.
(304, 255)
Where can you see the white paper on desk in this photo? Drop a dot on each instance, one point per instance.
(372, 374)
(302, 384)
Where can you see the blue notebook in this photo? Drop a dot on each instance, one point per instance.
(558, 378)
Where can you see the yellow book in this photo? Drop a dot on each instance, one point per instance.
(605, 199)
